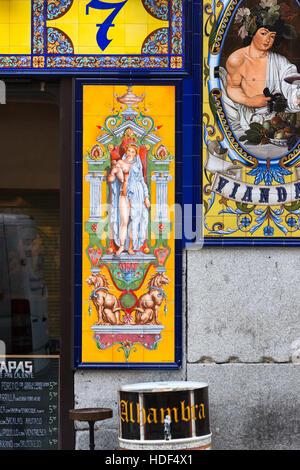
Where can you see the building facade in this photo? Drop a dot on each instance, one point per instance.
(149, 214)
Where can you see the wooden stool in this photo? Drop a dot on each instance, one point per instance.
(91, 415)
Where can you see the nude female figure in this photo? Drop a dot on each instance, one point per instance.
(121, 171)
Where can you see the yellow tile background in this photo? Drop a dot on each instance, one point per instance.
(98, 103)
(15, 26)
(132, 26)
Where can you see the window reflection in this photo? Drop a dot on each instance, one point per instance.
(29, 285)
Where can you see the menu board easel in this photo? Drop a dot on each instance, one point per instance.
(29, 402)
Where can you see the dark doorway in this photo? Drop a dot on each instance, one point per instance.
(35, 231)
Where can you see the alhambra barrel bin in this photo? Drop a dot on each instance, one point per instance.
(164, 416)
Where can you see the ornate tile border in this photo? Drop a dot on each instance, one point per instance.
(52, 49)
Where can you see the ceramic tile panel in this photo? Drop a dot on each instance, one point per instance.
(251, 122)
(129, 312)
(74, 35)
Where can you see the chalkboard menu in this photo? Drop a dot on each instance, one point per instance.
(29, 402)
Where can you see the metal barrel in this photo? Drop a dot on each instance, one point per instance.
(164, 416)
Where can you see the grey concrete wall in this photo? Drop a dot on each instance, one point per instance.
(243, 309)
(243, 304)
(252, 406)
(241, 327)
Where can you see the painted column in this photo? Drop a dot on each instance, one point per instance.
(161, 179)
(95, 179)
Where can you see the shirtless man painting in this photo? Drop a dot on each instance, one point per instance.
(251, 69)
(247, 70)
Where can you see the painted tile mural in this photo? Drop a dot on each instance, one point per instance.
(128, 258)
(91, 34)
(251, 119)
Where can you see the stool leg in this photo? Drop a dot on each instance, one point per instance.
(92, 440)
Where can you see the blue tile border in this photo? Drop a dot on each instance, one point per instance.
(87, 70)
(79, 83)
